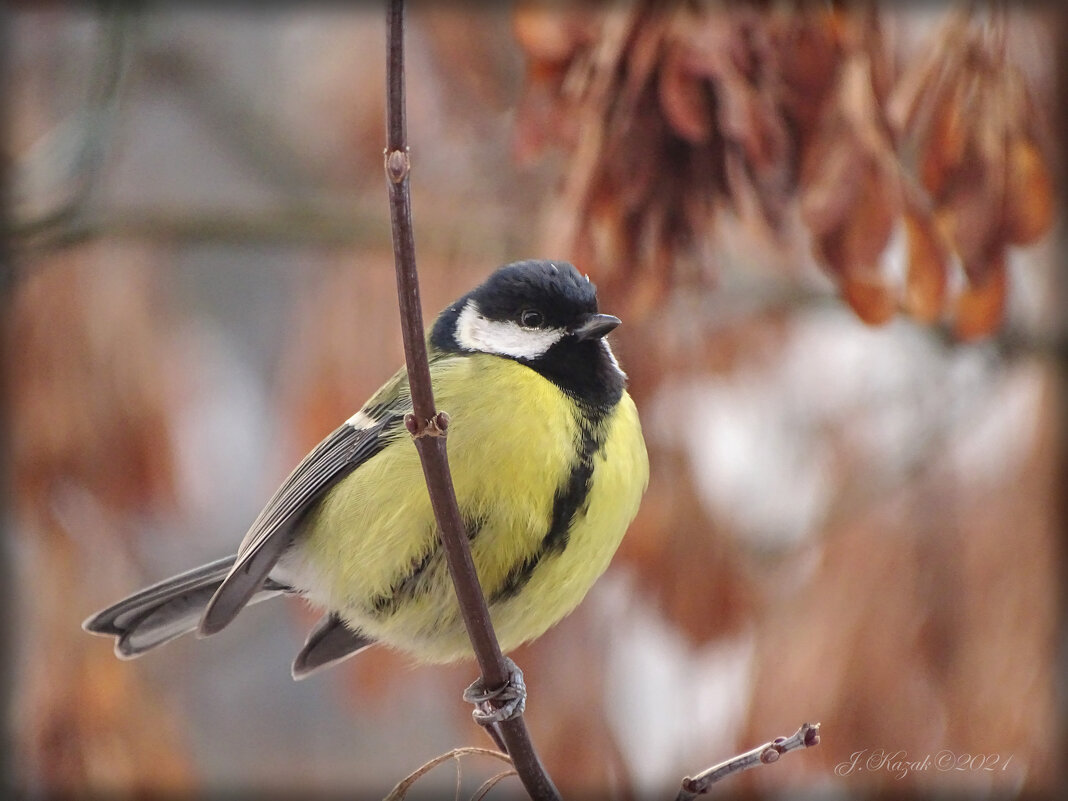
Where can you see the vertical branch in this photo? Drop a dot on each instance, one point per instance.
(428, 427)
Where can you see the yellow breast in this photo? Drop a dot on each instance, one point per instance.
(372, 539)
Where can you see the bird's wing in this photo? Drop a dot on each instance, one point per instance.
(341, 452)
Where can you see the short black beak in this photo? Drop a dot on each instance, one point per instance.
(595, 326)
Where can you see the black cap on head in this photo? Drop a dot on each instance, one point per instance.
(555, 288)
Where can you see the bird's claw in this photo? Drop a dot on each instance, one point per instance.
(500, 704)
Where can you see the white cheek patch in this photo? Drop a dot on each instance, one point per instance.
(475, 332)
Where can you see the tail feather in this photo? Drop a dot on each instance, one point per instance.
(164, 611)
(327, 644)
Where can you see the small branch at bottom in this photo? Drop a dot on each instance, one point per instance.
(805, 737)
(400, 792)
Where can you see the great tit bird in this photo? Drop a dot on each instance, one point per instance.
(548, 464)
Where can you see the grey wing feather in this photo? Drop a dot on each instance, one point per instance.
(166, 610)
(341, 452)
(328, 643)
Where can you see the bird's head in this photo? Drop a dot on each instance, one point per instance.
(522, 310)
(542, 314)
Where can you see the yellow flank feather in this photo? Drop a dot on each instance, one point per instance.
(372, 540)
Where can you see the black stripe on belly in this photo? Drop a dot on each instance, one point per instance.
(417, 581)
(404, 588)
(570, 501)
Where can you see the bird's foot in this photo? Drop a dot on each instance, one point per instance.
(502, 703)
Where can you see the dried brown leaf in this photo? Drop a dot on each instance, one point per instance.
(860, 106)
(828, 187)
(871, 297)
(855, 246)
(808, 47)
(972, 222)
(943, 152)
(981, 305)
(684, 98)
(928, 265)
(1029, 193)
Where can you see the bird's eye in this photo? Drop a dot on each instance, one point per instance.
(530, 318)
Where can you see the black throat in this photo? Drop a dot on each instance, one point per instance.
(584, 370)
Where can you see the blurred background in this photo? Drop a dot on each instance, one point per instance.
(832, 235)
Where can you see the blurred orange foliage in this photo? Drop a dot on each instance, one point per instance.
(673, 115)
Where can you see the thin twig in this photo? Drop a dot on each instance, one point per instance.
(805, 737)
(428, 426)
(490, 783)
(404, 785)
